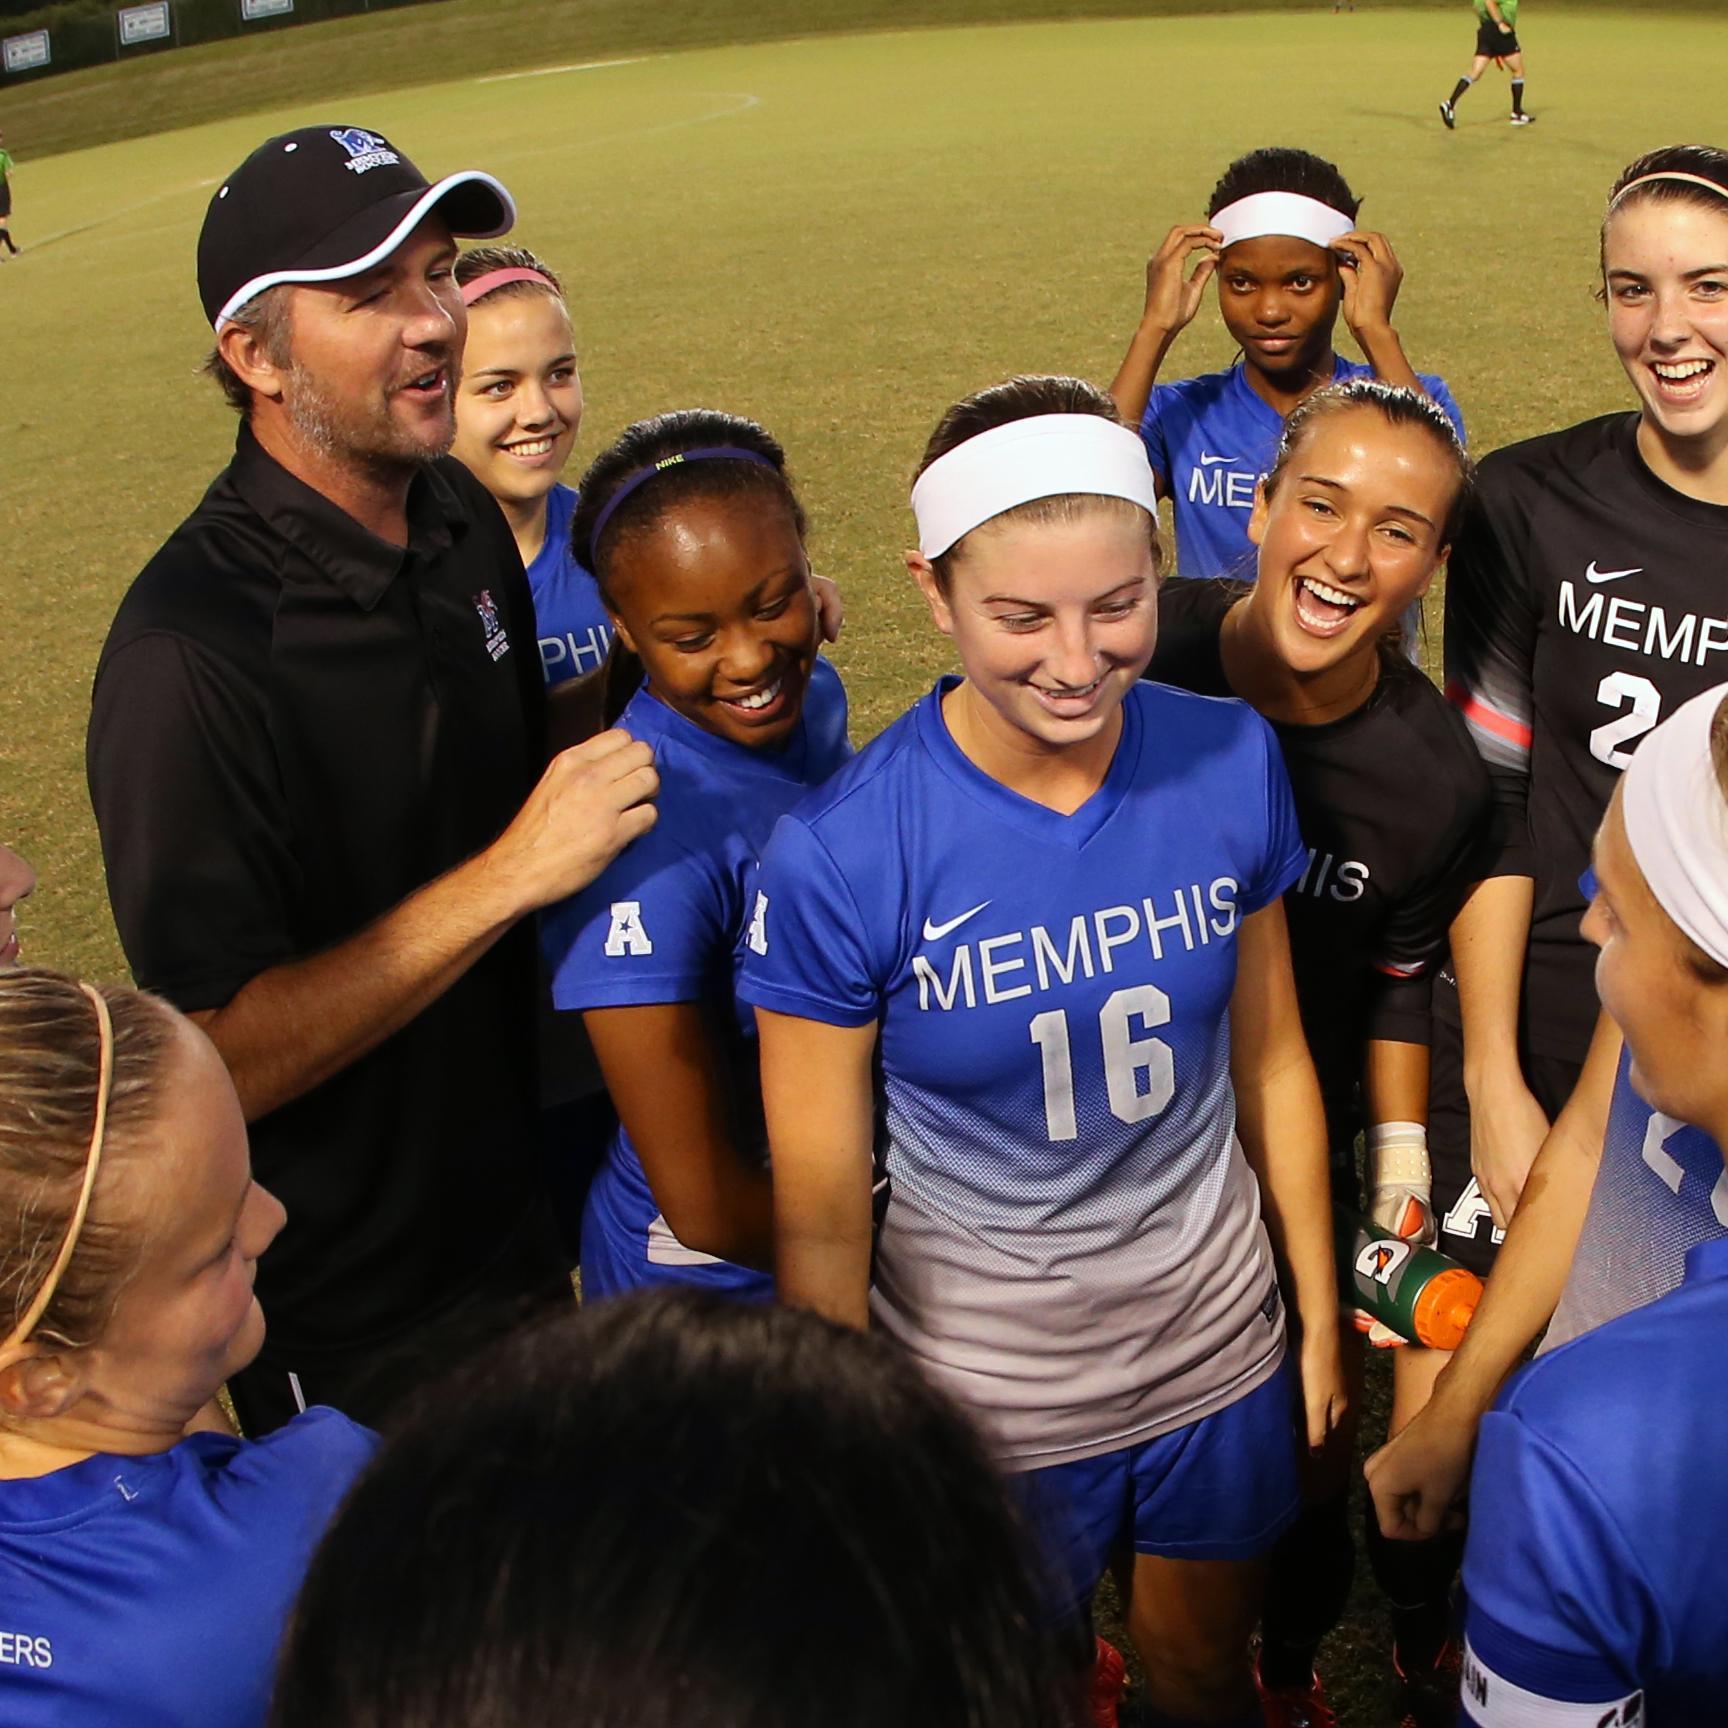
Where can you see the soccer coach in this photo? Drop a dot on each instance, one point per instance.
(315, 753)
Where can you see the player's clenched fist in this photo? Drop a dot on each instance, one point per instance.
(592, 801)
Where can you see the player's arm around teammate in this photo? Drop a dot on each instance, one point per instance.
(1001, 934)
(148, 1557)
(697, 540)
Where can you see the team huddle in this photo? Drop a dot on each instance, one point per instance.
(506, 895)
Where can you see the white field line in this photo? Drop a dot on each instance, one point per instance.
(553, 71)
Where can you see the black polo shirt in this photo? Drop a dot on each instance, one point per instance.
(295, 724)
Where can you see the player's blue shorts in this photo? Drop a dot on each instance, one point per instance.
(1223, 1488)
(626, 1245)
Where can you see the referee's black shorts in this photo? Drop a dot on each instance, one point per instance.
(1494, 43)
(5, 200)
(1466, 1229)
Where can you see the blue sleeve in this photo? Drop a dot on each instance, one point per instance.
(313, 1459)
(1558, 1608)
(1285, 856)
(1153, 435)
(653, 928)
(1441, 391)
(807, 954)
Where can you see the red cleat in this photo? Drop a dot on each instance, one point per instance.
(1109, 1681)
(1295, 1706)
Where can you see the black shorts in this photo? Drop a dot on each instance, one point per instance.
(5, 200)
(1467, 1230)
(1495, 43)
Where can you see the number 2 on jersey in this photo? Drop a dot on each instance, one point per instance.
(1615, 691)
(1127, 1059)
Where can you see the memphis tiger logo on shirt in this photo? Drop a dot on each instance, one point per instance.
(497, 638)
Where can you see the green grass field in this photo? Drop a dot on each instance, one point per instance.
(836, 235)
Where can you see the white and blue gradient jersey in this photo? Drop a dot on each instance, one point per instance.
(1660, 1190)
(1072, 1242)
(570, 618)
(664, 923)
(154, 1591)
(1209, 440)
(1597, 1565)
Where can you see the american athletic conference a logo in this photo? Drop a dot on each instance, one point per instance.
(366, 150)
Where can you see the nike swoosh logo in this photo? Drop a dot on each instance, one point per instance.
(935, 932)
(1595, 575)
(1208, 461)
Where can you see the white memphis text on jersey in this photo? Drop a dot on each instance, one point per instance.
(757, 935)
(1655, 1153)
(1327, 876)
(1619, 621)
(25, 1650)
(1492, 1701)
(1022, 962)
(1209, 482)
(628, 934)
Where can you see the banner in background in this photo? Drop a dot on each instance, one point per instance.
(250, 9)
(149, 23)
(25, 53)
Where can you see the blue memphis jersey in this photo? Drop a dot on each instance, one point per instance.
(153, 1591)
(666, 922)
(1596, 1569)
(1210, 439)
(1072, 1242)
(569, 616)
(1660, 1190)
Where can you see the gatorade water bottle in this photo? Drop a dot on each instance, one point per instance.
(1420, 1293)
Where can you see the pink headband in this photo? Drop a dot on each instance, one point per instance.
(483, 285)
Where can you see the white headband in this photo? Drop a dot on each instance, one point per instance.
(1281, 213)
(1720, 190)
(1677, 823)
(1047, 456)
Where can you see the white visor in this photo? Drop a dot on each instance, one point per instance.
(1047, 456)
(1281, 213)
(1677, 823)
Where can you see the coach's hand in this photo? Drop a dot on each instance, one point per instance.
(592, 801)
(1172, 299)
(1417, 1479)
(1371, 278)
(1507, 1128)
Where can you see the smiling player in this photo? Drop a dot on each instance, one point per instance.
(1584, 604)
(1022, 945)
(697, 540)
(1351, 524)
(1281, 238)
(517, 414)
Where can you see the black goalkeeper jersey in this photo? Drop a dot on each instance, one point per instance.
(1586, 600)
(1394, 806)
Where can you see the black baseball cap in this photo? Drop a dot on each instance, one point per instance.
(327, 202)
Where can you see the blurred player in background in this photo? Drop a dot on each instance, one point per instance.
(1352, 523)
(1599, 1508)
(6, 164)
(1584, 601)
(1282, 240)
(1033, 931)
(1496, 40)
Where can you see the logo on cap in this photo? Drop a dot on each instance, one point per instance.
(366, 150)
